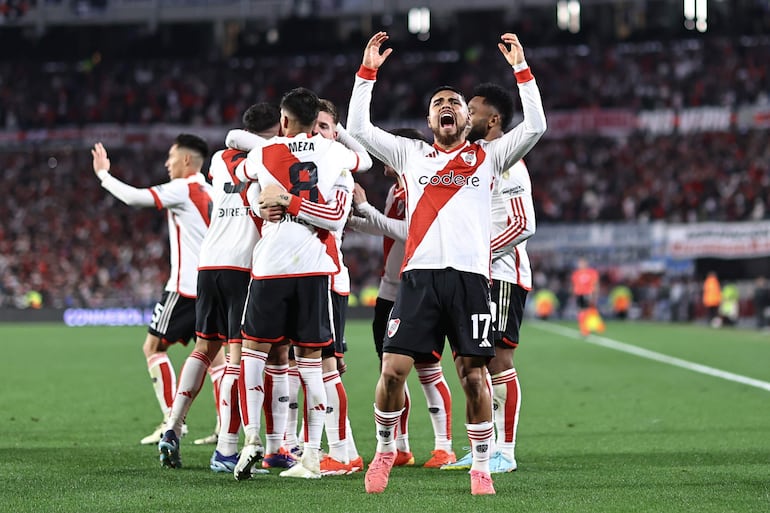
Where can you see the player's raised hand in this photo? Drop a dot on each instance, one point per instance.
(514, 55)
(372, 56)
(100, 157)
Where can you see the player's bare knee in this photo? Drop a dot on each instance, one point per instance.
(210, 348)
(152, 345)
(393, 375)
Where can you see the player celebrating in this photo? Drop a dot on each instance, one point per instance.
(444, 290)
(186, 198)
(392, 226)
(288, 302)
(223, 281)
(513, 218)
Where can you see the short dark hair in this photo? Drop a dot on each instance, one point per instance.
(498, 97)
(261, 116)
(303, 104)
(193, 143)
(445, 88)
(327, 106)
(411, 133)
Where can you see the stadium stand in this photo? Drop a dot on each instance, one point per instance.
(622, 144)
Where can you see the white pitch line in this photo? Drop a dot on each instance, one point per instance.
(651, 355)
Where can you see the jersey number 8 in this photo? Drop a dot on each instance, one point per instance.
(304, 180)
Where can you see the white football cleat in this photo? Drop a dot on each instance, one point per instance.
(207, 440)
(251, 453)
(309, 467)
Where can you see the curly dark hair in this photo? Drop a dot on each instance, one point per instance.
(498, 97)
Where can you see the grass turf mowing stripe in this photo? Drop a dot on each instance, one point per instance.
(650, 355)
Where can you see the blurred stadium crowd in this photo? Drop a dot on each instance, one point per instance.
(63, 237)
(713, 71)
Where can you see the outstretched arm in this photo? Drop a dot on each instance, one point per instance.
(378, 142)
(510, 148)
(239, 139)
(364, 160)
(124, 192)
(373, 221)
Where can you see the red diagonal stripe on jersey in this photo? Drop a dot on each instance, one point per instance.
(277, 159)
(434, 197)
(201, 200)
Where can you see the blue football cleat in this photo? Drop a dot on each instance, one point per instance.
(499, 463)
(463, 463)
(169, 450)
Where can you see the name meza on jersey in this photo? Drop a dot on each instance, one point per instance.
(295, 146)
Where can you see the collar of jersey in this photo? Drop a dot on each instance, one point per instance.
(458, 147)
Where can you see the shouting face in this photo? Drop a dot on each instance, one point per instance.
(448, 117)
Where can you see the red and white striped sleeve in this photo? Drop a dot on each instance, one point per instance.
(331, 215)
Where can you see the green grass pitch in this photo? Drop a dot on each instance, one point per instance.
(601, 430)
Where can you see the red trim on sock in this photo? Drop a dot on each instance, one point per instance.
(511, 402)
(446, 397)
(343, 414)
(165, 375)
(235, 412)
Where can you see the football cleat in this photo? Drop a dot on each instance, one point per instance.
(154, 437)
(440, 457)
(357, 465)
(404, 459)
(207, 440)
(500, 463)
(377, 476)
(250, 455)
(295, 451)
(169, 450)
(463, 463)
(221, 463)
(331, 467)
(481, 483)
(309, 467)
(280, 459)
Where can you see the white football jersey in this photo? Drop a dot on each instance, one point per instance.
(448, 193)
(391, 226)
(340, 282)
(392, 250)
(188, 205)
(316, 172)
(234, 229)
(513, 222)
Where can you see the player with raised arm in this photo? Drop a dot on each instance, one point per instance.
(513, 218)
(223, 281)
(444, 289)
(392, 227)
(187, 200)
(288, 302)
